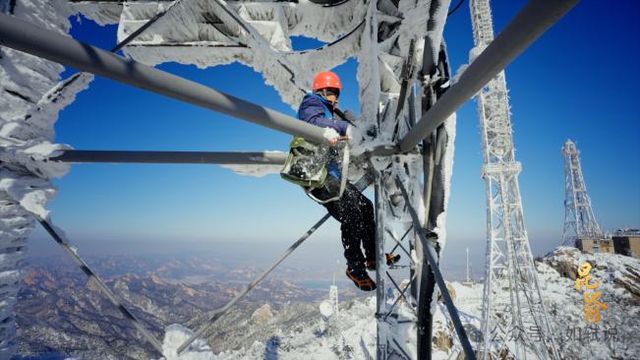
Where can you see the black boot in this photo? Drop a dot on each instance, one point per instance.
(358, 274)
(391, 259)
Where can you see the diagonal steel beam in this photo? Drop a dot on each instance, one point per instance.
(73, 253)
(433, 264)
(399, 244)
(144, 27)
(21, 35)
(255, 40)
(172, 157)
(217, 314)
(528, 25)
(401, 296)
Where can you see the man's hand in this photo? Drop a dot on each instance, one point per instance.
(335, 141)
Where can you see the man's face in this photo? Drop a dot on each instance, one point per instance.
(333, 99)
(331, 95)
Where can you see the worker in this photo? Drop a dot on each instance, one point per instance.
(353, 210)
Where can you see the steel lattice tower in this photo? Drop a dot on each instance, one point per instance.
(406, 132)
(579, 220)
(512, 307)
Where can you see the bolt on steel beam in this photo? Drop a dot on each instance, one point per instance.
(524, 29)
(22, 36)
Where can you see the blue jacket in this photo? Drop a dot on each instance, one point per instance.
(318, 111)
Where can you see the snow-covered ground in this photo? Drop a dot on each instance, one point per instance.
(353, 334)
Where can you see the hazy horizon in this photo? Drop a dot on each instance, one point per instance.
(316, 254)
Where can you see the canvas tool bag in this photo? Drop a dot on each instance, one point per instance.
(307, 163)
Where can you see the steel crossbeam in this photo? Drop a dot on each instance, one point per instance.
(399, 242)
(172, 157)
(21, 35)
(524, 29)
(59, 89)
(144, 27)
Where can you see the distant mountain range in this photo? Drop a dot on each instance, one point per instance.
(353, 334)
(59, 314)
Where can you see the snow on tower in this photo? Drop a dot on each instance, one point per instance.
(579, 220)
(512, 305)
(28, 111)
(403, 70)
(468, 280)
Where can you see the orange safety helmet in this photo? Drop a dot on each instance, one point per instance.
(326, 79)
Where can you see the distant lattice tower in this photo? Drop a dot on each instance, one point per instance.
(512, 307)
(333, 296)
(579, 220)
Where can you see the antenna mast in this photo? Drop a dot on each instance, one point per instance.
(509, 262)
(579, 220)
(468, 279)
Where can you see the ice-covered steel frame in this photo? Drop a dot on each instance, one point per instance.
(532, 21)
(62, 87)
(427, 243)
(380, 23)
(579, 219)
(403, 68)
(172, 157)
(512, 302)
(21, 35)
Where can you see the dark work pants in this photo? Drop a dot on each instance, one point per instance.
(355, 213)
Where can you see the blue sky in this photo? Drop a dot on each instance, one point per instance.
(578, 81)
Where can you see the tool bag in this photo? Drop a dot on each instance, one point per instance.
(307, 166)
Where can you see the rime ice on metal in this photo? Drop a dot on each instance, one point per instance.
(512, 300)
(379, 34)
(26, 132)
(579, 220)
(403, 71)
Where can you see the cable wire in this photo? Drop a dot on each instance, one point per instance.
(455, 8)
